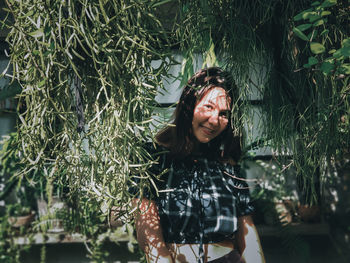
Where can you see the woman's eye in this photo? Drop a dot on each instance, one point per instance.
(224, 114)
(208, 106)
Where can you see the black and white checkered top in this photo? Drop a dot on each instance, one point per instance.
(199, 199)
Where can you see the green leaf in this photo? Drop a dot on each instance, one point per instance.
(301, 14)
(37, 33)
(161, 3)
(29, 14)
(303, 27)
(52, 46)
(300, 34)
(314, 18)
(41, 83)
(312, 61)
(345, 51)
(298, 17)
(47, 30)
(346, 42)
(327, 67)
(329, 3)
(307, 15)
(210, 57)
(47, 53)
(345, 69)
(324, 32)
(337, 54)
(318, 23)
(317, 48)
(316, 3)
(332, 51)
(326, 13)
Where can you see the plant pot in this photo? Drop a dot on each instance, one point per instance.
(116, 216)
(50, 216)
(42, 207)
(278, 214)
(18, 221)
(309, 214)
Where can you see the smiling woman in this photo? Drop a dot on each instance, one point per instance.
(202, 115)
(201, 209)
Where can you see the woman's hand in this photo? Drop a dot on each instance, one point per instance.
(149, 232)
(248, 241)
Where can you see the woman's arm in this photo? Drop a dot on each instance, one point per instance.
(248, 241)
(149, 232)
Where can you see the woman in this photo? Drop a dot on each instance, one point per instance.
(201, 211)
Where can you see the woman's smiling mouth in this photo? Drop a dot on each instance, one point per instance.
(207, 130)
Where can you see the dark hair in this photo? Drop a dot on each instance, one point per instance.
(179, 138)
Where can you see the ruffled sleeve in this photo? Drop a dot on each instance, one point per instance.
(241, 190)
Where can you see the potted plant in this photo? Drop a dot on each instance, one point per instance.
(274, 197)
(20, 216)
(18, 194)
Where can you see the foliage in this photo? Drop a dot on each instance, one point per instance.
(20, 192)
(274, 186)
(23, 197)
(88, 87)
(276, 177)
(315, 92)
(328, 61)
(18, 210)
(88, 91)
(315, 31)
(10, 251)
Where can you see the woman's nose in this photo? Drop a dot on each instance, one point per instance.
(214, 118)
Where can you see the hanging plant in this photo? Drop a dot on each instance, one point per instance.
(307, 94)
(328, 57)
(88, 87)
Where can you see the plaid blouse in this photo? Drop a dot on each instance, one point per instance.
(199, 200)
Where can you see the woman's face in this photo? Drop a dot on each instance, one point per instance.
(211, 115)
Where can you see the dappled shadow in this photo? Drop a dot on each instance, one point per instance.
(149, 232)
